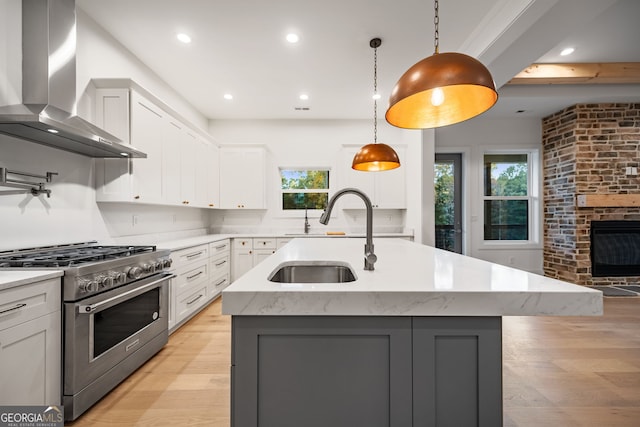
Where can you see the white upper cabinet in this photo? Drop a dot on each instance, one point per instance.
(242, 178)
(387, 189)
(181, 167)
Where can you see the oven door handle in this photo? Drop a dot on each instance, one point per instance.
(88, 309)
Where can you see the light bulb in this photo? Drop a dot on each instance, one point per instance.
(437, 97)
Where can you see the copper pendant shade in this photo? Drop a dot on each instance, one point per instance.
(441, 90)
(375, 157)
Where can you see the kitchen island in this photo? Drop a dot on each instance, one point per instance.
(417, 341)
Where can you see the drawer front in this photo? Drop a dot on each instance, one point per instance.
(186, 277)
(264, 243)
(190, 302)
(221, 247)
(186, 256)
(24, 303)
(220, 266)
(218, 284)
(242, 244)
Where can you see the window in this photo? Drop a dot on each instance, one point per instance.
(507, 196)
(304, 189)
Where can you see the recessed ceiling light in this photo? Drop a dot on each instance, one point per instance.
(124, 154)
(52, 131)
(293, 38)
(228, 96)
(567, 51)
(184, 38)
(304, 97)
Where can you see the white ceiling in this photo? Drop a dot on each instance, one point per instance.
(238, 47)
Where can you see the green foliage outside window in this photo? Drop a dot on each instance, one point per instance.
(506, 214)
(444, 205)
(304, 189)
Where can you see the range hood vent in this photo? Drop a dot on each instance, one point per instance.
(38, 102)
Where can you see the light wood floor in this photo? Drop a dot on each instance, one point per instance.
(558, 372)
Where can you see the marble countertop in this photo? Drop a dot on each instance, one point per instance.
(410, 279)
(12, 279)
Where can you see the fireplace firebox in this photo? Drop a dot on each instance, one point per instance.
(615, 248)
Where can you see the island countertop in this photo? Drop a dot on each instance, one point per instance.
(409, 279)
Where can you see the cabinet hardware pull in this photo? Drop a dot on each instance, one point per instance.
(195, 299)
(136, 197)
(222, 246)
(221, 282)
(17, 307)
(194, 276)
(221, 263)
(195, 254)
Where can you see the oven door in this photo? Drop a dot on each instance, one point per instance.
(103, 330)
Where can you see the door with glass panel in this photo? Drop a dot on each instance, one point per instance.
(448, 201)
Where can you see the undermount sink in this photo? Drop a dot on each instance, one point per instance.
(313, 272)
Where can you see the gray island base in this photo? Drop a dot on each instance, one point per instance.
(366, 371)
(417, 342)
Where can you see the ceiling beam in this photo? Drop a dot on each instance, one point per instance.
(579, 73)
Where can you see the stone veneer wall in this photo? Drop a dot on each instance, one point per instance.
(586, 149)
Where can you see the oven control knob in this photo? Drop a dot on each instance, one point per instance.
(158, 265)
(106, 282)
(167, 263)
(134, 272)
(89, 286)
(148, 268)
(120, 277)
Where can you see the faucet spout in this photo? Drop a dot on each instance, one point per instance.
(369, 256)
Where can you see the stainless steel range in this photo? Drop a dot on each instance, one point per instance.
(115, 312)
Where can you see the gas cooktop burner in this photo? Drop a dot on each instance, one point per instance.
(68, 256)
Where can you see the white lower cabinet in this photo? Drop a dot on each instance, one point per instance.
(189, 288)
(201, 272)
(219, 266)
(247, 253)
(31, 344)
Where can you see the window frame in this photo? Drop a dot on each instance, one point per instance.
(533, 199)
(300, 213)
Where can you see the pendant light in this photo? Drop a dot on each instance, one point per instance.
(375, 157)
(441, 90)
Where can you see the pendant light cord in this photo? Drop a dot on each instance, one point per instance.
(436, 21)
(375, 95)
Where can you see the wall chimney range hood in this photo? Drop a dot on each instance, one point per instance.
(38, 82)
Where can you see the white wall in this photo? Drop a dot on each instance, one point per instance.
(71, 213)
(472, 138)
(317, 143)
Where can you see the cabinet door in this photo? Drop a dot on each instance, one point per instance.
(30, 362)
(260, 255)
(188, 154)
(242, 262)
(206, 173)
(147, 131)
(242, 178)
(171, 163)
(321, 371)
(363, 181)
(457, 371)
(113, 176)
(212, 175)
(391, 186)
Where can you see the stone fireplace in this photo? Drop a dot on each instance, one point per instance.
(587, 150)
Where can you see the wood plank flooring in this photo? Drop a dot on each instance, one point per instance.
(558, 371)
